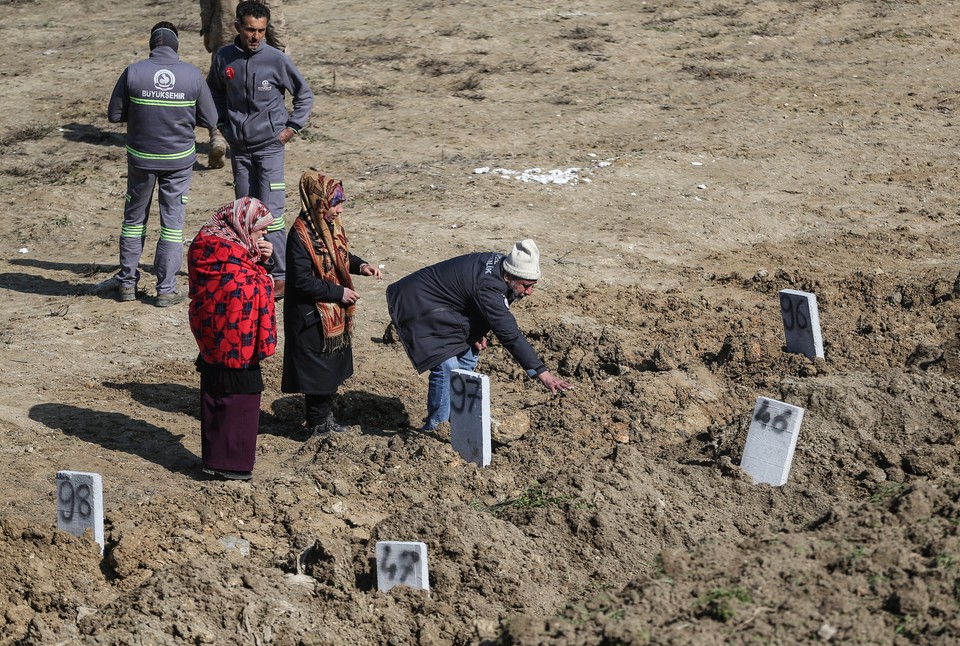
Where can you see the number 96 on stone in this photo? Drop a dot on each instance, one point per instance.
(801, 323)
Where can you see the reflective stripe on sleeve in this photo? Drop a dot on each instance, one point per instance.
(278, 225)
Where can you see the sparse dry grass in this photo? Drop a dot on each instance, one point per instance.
(451, 31)
(472, 82)
(434, 67)
(704, 73)
(437, 67)
(580, 33)
(27, 132)
(468, 88)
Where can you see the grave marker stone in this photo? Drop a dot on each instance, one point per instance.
(771, 440)
(80, 504)
(402, 563)
(470, 416)
(801, 322)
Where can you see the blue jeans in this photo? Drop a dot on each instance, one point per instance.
(438, 387)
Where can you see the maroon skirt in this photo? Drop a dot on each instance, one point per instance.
(228, 427)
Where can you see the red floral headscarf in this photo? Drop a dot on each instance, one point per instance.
(237, 221)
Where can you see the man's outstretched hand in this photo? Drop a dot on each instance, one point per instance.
(553, 383)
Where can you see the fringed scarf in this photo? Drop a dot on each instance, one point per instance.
(231, 313)
(329, 251)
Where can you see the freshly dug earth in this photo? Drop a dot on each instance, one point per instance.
(692, 159)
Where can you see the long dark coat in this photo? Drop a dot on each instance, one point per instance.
(306, 367)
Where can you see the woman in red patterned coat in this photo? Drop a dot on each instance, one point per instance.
(233, 319)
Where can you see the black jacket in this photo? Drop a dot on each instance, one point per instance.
(441, 310)
(306, 367)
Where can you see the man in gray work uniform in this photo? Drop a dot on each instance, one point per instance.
(249, 80)
(162, 99)
(217, 27)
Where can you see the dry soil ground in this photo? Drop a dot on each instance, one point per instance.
(723, 151)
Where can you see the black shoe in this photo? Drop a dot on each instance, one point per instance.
(229, 475)
(170, 298)
(328, 427)
(127, 294)
(334, 427)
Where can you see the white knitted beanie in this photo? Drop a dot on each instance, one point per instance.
(523, 261)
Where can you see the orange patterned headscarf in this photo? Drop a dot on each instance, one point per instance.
(329, 251)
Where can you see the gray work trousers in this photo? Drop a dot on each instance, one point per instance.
(172, 194)
(259, 174)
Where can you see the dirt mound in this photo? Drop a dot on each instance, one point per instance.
(679, 163)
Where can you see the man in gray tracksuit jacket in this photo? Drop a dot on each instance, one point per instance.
(249, 80)
(162, 100)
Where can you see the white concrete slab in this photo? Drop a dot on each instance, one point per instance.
(771, 441)
(801, 322)
(470, 416)
(402, 563)
(80, 504)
